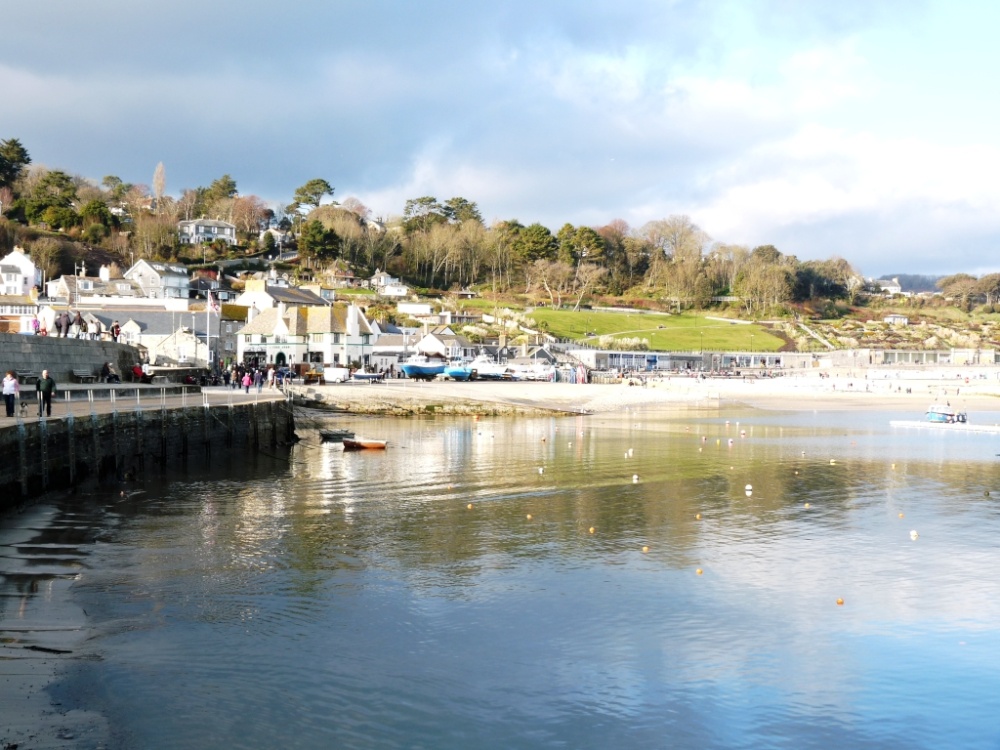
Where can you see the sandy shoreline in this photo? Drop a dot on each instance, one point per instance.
(913, 391)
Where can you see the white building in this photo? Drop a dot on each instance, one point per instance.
(18, 274)
(197, 231)
(160, 280)
(335, 335)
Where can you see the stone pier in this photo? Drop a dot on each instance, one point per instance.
(61, 453)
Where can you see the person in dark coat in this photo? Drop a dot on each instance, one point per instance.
(81, 326)
(46, 388)
(66, 322)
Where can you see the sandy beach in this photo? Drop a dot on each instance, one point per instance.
(910, 390)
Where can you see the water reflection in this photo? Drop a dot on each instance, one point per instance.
(445, 593)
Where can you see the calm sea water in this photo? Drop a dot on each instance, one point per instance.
(613, 584)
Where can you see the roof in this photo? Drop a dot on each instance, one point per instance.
(295, 296)
(206, 223)
(305, 320)
(159, 322)
(99, 287)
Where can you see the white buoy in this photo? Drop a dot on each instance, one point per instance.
(541, 469)
(635, 479)
(914, 535)
(630, 453)
(749, 487)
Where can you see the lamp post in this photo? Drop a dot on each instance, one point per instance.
(701, 342)
(751, 350)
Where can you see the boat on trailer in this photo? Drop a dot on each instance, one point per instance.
(421, 367)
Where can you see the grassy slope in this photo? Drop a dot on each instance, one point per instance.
(686, 332)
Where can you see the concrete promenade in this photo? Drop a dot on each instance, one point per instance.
(80, 399)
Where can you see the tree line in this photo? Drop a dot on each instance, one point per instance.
(435, 244)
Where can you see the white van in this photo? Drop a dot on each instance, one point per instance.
(336, 374)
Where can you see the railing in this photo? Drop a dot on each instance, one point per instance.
(78, 401)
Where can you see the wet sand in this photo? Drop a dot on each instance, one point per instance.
(912, 390)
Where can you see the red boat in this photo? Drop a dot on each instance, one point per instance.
(358, 444)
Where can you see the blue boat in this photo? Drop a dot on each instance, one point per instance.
(944, 413)
(422, 367)
(459, 370)
(483, 367)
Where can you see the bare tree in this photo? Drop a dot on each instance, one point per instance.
(355, 206)
(159, 184)
(46, 253)
(588, 275)
(188, 204)
(554, 276)
(248, 212)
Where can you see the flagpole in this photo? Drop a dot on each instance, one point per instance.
(208, 331)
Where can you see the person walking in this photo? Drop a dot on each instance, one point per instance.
(81, 327)
(46, 388)
(11, 388)
(247, 381)
(116, 331)
(258, 379)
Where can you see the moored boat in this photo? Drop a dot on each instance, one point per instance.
(944, 413)
(334, 436)
(358, 444)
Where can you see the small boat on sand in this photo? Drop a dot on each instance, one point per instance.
(358, 444)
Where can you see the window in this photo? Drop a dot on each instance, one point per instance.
(229, 327)
(316, 338)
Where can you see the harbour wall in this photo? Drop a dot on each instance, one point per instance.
(61, 356)
(129, 445)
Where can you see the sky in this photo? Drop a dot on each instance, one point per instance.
(861, 129)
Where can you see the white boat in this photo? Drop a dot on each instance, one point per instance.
(536, 371)
(483, 367)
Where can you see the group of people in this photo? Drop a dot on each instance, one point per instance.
(76, 326)
(238, 376)
(45, 388)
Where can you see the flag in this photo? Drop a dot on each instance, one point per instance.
(212, 304)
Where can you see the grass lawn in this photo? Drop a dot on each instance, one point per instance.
(685, 332)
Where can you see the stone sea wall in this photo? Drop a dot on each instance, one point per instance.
(54, 454)
(60, 356)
